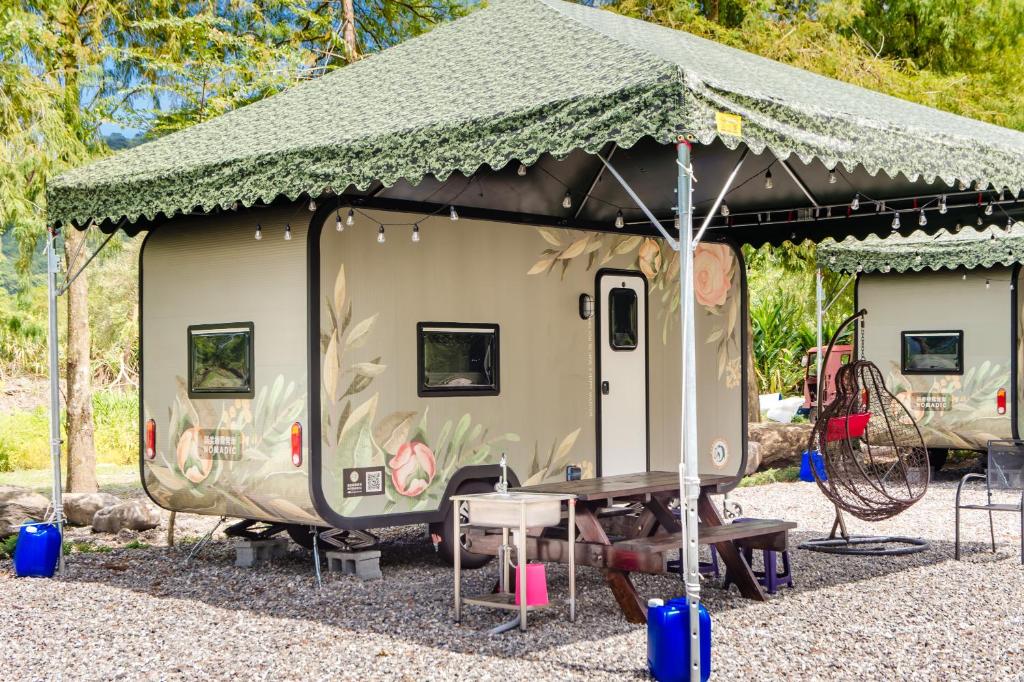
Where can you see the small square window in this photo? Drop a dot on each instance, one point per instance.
(622, 319)
(220, 360)
(457, 359)
(932, 352)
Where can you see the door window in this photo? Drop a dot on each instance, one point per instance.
(622, 319)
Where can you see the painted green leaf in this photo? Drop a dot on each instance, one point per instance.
(393, 431)
(340, 290)
(355, 444)
(357, 337)
(369, 369)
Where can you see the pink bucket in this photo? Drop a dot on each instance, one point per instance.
(536, 585)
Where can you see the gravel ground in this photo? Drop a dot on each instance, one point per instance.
(144, 613)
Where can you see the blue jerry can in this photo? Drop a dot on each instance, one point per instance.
(37, 551)
(668, 641)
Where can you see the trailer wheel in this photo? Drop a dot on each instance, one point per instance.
(301, 536)
(937, 457)
(445, 531)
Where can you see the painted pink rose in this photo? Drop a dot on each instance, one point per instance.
(649, 258)
(712, 271)
(412, 468)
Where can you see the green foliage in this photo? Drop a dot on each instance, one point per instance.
(24, 436)
(7, 546)
(137, 544)
(85, 547)
(784, 475)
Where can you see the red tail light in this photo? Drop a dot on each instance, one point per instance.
(1001, 401)
(150, 439)
(297, 444)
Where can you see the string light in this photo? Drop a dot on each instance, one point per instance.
(312, 204)
(832, 179)
(288, 232)
(521, 171)
(855, 204)
(922, 220)
(895, 221)
(988, 208)
(725, 210)
(980, 221)
(567, 200)
(453, 214)
(964, 277)
(988, 284)
(380, 234)
(620, 222)
(1009, 224)
(338, 225)
(768, 184)
(942, 205)
(259, 232)
(415, 232)
(350, 219)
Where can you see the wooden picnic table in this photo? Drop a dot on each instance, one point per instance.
(656, 532)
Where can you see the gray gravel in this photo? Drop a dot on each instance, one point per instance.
(146, 614)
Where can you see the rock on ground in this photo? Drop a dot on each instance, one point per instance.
(18, 505)
(79, 508)
(777, 445)
(133, 515)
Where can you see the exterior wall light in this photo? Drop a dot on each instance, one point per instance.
(586, 306)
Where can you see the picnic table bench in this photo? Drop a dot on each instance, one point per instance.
(655, 532)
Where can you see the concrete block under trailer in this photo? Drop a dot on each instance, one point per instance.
(332, 380)
(949, 344)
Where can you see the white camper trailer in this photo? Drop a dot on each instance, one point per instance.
(340, 379)
(943, 324)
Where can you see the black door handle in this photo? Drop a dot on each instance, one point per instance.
(604, 388)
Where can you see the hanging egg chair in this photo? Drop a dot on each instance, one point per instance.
(875, 460)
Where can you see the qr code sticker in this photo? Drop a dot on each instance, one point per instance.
(374, 481)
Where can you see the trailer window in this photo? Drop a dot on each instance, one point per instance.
(220, 360)
(622, 319)
(457, 359)
(933, 352)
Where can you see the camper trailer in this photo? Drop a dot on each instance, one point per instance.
(353, 369)
(943, 325)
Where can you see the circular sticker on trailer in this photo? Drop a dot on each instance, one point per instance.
(719, 452)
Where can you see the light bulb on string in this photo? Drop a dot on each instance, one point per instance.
(832, 179)
(453, 214)
(942, 205)
(259, 232)
(350, 219)
(895, 221)
(1009, 224)
(288, 232)
(521, 171)
(922, 219)
(964, 277)
(988, 208)
(768, 184)
(415, 232)
(981, 221)
(620, 222)
(855, 204)
(338, 225)
(567, 200)
(380, 234)
(988, 284)
(725, 210)
(312, 204)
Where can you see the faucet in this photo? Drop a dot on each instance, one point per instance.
(502, 485)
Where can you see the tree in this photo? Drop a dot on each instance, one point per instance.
(68, 66)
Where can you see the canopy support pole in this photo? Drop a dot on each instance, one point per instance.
(799, 183)
(689, 477)
(55, 443)
(819, 296)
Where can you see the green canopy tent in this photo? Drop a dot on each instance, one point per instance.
(550, 113)
(968, 248)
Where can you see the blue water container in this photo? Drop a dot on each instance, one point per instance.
(806, 474)
(668, 641)
(37, 551)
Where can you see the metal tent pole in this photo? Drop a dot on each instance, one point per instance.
(819, 296)
(51, 285)
(689, 479)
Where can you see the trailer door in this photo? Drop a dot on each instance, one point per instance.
(622, 380)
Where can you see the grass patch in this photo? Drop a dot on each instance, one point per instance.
(783, 475)
(112, 478)
(25, 435)
(137, 544)
(7, 546)
(85, 547)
